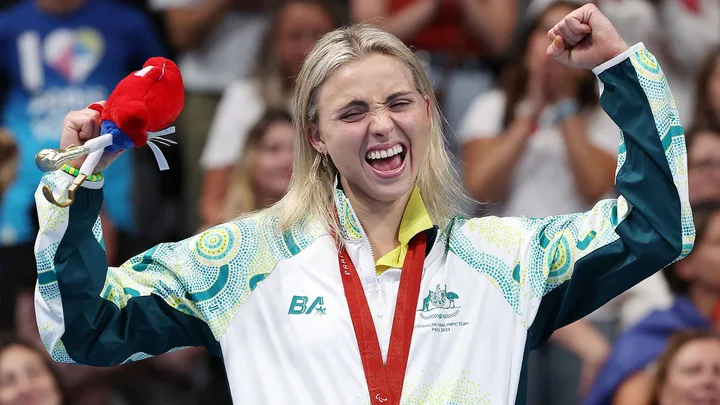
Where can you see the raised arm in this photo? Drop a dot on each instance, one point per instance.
(592, 257)
(563, 268)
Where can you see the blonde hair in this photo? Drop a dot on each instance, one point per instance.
(312, 185)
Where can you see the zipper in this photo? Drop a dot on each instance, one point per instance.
(365, 238)
(380, 306)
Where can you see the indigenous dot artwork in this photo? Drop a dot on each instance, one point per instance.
(53, 223)
(547, 249)
(208, 276)
(667, 122)
(455, 389)
(444, 389)
(349, 225)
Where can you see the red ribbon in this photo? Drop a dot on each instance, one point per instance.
(385, 380)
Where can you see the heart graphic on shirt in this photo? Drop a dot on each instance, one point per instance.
(74, 54)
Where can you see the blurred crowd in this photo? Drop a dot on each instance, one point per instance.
(529, 135)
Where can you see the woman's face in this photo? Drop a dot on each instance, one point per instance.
(693, 376)
(273, 161)
(374, 124)
(299, 26)
(536, 53)
(705, 258)
(704, 167)
(713, 89)
(25, 379)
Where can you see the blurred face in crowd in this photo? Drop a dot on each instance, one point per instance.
(702, 267)
(375, 126)
(299, 26)
(536, 53)
(25, 379)
(693, 375)
(273, 161)
(704, 167)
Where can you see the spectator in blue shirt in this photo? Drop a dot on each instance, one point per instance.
(57, 56)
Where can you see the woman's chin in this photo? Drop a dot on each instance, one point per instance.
(391, 192)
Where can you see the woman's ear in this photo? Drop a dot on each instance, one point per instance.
(316, 139)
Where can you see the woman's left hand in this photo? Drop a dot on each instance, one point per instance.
(585, 38)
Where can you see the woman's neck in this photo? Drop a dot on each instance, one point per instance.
(705, 300)
(381, 220)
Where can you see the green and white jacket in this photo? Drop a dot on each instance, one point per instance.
(272, 304)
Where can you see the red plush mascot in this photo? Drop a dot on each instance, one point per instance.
(139, 111)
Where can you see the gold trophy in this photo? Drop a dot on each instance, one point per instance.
(49, 160)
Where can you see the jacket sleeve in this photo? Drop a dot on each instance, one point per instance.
(582, 261)
(172, 296)
(556, 270)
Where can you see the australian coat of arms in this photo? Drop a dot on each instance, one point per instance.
(441, 298)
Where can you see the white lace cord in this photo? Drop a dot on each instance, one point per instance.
(97, 147)
(156, 138)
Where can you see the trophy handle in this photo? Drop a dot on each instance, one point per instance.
(47, 192)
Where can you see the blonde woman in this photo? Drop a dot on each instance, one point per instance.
(316, 299)
(261, 176)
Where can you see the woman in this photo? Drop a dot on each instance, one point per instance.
(695, 286)
(540, 145)
(307, 299)
(26, 378)
(688, 372)
(296, 25)
(704, 166)
(261, 176)
(705, 149)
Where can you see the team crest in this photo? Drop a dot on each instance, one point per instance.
(440, 299)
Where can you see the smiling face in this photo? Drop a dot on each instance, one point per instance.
(26, 379)
(375, 126)
(299, 25)
(273, 161)
(693, 376)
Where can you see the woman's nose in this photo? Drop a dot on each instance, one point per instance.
(380, 122)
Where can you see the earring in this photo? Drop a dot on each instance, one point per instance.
(325, 159)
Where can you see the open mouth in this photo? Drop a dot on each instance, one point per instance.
(387, 162)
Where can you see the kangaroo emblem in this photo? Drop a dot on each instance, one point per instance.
(441, 298)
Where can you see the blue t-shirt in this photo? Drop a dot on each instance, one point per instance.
(53, 64)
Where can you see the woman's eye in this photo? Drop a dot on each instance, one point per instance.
(352, 116)
(400, 104)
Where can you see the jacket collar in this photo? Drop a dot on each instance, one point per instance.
(415, 218)
(350, 227)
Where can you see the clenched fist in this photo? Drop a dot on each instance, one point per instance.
(80, 127)
(585, 38)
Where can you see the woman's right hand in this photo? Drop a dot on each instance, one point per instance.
(78, 128)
